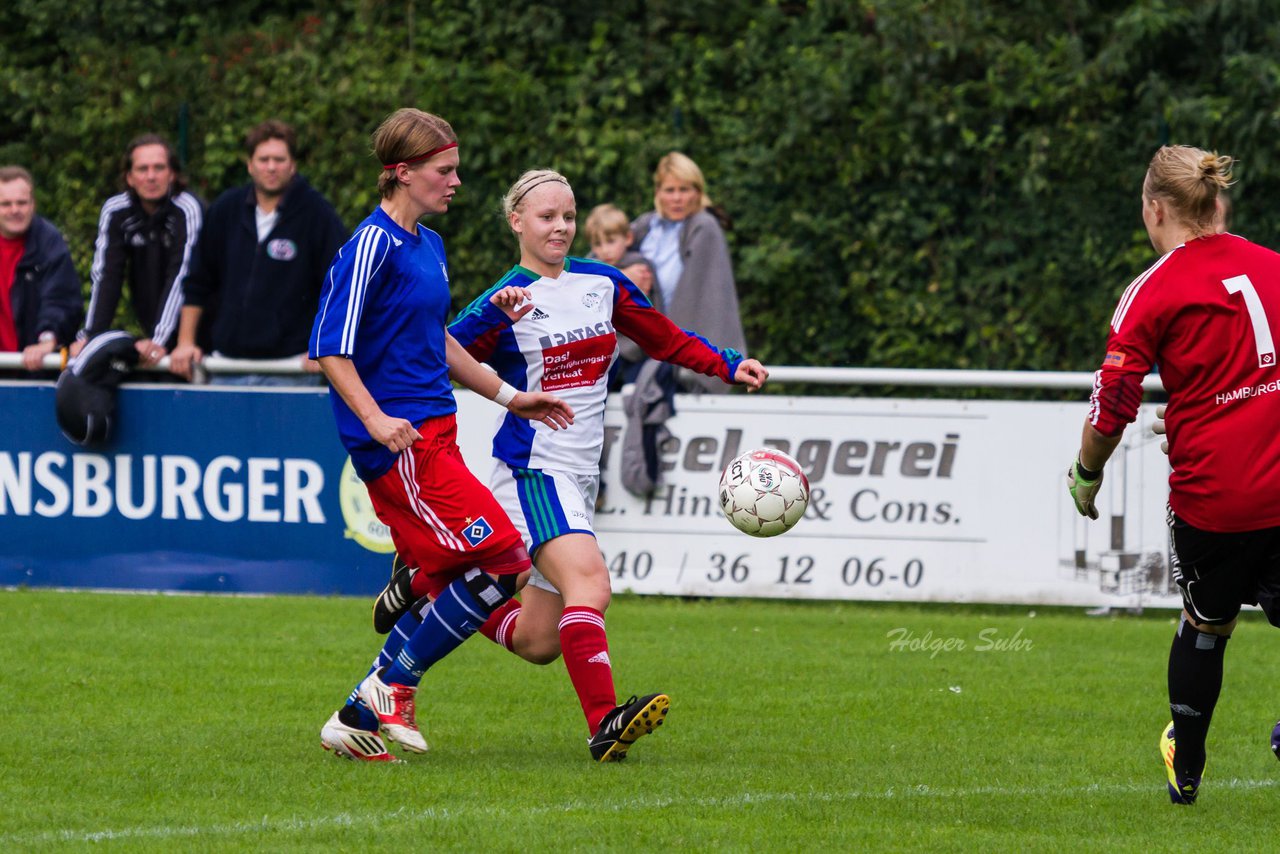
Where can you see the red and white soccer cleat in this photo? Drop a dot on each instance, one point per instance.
(353, 743)
(393, 704)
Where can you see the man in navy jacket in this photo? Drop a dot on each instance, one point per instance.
(40, 303)
(260, 262)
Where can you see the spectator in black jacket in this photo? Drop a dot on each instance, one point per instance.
(259, 264)
(40, 306)
(150, 229)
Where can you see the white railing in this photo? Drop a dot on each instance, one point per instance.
(943, 378)
(211, 364)
(783, 374)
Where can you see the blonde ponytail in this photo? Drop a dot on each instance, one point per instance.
(1188, 180)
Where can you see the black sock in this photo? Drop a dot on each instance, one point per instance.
(350, 716)
(1195, 680)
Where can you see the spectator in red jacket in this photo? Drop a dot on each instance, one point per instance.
(40, 305)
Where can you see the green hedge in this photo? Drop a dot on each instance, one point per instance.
(919, 184)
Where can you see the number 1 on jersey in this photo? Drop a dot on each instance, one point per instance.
(1257, 316)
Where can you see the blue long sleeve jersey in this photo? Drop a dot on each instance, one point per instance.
(384, 306)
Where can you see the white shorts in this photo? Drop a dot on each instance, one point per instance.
(544, 505)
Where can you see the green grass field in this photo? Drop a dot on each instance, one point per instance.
(190, 723)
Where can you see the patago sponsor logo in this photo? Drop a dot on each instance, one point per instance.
(581, 333)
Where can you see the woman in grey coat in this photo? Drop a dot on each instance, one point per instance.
(686, 245)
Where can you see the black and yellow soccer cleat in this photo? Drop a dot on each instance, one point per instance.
(1180, 791)
(625, 723)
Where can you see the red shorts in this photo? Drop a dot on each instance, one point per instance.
(441, 518)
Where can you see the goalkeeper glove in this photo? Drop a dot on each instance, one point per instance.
(1157, 427)
(1083, 485)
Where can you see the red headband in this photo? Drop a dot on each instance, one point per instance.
(432, 153)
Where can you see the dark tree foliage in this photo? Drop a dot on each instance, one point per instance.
(916, 183)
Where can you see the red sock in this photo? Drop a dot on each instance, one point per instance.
(586, 656)
(501, 625)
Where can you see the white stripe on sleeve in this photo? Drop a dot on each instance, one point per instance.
(113, 204)
(173, 302)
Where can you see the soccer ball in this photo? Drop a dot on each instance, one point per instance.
(763, 492)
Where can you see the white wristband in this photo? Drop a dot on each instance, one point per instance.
(506, 394)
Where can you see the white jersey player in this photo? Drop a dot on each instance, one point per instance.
(551, 324)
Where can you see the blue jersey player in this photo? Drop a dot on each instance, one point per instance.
(547, 480)
(380, 338)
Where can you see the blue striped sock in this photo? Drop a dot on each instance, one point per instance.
(453, 617)
(400, 632)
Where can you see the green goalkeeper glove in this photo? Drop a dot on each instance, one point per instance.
(1083, 486)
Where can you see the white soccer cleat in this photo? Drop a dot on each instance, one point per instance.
(393, 704)
(353, 743)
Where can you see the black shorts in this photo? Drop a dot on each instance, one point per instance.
(1217, 573)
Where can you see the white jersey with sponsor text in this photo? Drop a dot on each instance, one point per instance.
(566, 346)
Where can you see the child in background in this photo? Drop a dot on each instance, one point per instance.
(609, 232)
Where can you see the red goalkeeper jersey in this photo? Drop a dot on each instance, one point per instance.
(1207, 316)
